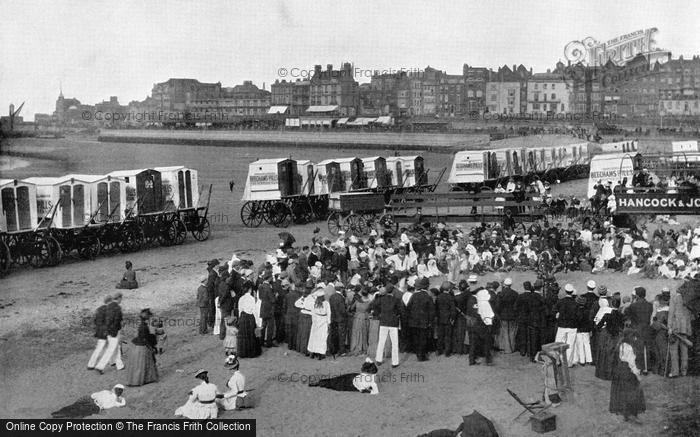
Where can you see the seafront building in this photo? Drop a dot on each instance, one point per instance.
(639, 90)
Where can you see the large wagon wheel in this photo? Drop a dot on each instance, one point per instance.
(108, 242)
(154, 231)
(55, 251)
(302, 212)
(265, 211)
(20, 250)
(5, 258)
(201, 231)
(176, 232)
(280, 214)
(370, 219)
(389, 223)
(132, 238)
(320, 208)
(335, 223)
(45, 252)
(252, 214)
(166, 232)
(90, 247)
(356, 224)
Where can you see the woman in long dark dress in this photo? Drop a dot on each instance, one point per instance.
(141, 367)
(248, 344)
(609, 322)
(306, 306)
(626, 395)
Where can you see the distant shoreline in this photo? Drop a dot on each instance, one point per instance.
(427, 142)
(8, 163)
(276, 142)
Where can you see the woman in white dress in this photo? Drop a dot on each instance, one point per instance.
(627, 247)
(422, 267)
(236, 396)
(453, 263)
(320, 319)
(201, 403)
(432, 266)
(608, 250)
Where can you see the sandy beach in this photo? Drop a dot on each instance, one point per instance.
(46, 331)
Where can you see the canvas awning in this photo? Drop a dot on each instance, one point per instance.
(322, 108)
(342, 121)
(277, 109)
(361, 121)
(386, 119)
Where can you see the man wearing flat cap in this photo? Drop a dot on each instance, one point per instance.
(421, 312)
(113, 326)
(203, 304)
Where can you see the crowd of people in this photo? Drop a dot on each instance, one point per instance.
(421, 292)
(642, 181)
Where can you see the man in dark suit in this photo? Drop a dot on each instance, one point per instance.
(113, 324)
(421, 312)
(459, 328)
(100, 332)
(505, 309)
(203, 304)
(522, 315)
(446, 312)
(326, 252)
(639, 315)
(337, 330)
(267, 310)
(536, 319)
(212, 280)
(388, 308)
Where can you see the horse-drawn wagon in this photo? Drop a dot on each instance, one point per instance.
(22, 240)
(356, 212)
(44, 218)
(472, 170)
(282, 191)
(181, 191)
(81, 206)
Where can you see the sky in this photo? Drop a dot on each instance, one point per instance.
(97, 49)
